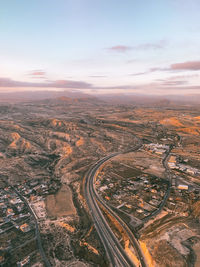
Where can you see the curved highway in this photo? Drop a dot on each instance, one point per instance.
(115, 252)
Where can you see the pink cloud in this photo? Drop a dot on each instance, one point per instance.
(6, 82)
(98, 76)
(173, 83)
(144, 46)
(149, 71)
(70, 84)
(176, 67)
(38, 73)
(188, 65)
(147, 46)
(120, 48)
(139, 73)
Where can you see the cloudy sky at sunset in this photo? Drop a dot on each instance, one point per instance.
(100, 46)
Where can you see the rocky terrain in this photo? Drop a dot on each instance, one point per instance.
(58, 140)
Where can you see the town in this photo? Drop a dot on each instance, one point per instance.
(18, 208)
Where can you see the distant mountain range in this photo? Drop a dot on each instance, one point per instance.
(71, 96)
(38, 95)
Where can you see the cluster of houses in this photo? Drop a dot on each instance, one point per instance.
(35, 192)
(12, 210)
(138, 197)
(181, 197)
(174, 164)
(15, 221)
(32, 188)
(150, 193)
(38, 187)
(159, 149)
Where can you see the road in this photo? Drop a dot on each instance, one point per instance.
(37, 232)
(167, 194)
(115, 252)
(133, 240)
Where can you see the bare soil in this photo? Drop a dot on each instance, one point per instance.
(60, 204)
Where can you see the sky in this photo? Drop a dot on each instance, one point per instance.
(100, 46)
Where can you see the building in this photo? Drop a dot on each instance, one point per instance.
(103, 188)
(172, 165)
(15, 201)
(24, 262)
(172, 159)
(25, 228)
(183, 187)
(10, 212)
(159, 151)
(191, 171)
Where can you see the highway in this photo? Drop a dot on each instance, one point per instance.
(115, 252)
(133, 240)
